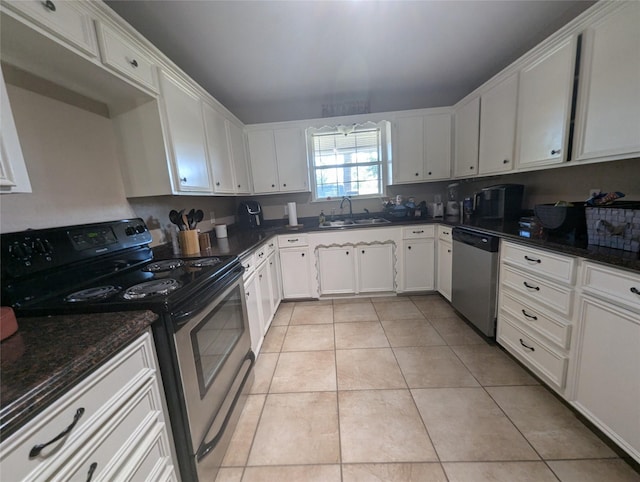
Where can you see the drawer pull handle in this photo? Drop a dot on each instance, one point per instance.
(555, 151)
(634, 290)
(292, 240)
(533, 317)
(527, 346)
(445, 233)
(134, 63)
(531, 287)
(35, 451)
(92, 469)
(49, 5)
(418, 232)
(532, 260)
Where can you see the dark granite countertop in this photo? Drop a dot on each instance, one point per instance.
(48, 355)
(240, 242)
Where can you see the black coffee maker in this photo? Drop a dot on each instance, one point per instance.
(498, 205)
(250, 215)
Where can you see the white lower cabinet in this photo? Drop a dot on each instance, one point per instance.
(254, 311)
(336, 266)
(117, 419)
(295, 266)
(264, 281)
(418, 255)
(376, 268)
(445, 261)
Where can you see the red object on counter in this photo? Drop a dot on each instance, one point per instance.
(8, 322)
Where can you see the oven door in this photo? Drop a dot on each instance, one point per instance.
(215, 361)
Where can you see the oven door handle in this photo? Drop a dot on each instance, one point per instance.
(183, 317)
(206, 447)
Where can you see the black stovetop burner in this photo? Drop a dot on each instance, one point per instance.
(100, 267)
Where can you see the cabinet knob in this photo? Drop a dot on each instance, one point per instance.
(183, 179)
(448, 250)
(555, 151)
(303, 254)
(285, 184)
(49, 5)
(273, 185)
(134, 63)
(408, 247)
(218, 183)
(471, 167)
(506, 161)
(363, 251)
(429, 173)
(347, 253)
(239, 185)
(634, 290)
(417, 174)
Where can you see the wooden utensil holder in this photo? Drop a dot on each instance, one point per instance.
(189, 243)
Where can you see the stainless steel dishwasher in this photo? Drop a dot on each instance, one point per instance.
(474, 277)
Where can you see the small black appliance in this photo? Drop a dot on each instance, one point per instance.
(499, 205)
(250, 215)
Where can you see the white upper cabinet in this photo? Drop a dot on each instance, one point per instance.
(239, 161)
(498, 127)
(422, 148)
(184, 133)
(122, 56)
(544, 106)
(65, 20)
(608, 111)
(13, 170)
(467, 131)
(278, 160)
(218, 150)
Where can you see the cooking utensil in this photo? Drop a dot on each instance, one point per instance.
(175, 218)
(199, 216)
(190, 218)
(185, 222)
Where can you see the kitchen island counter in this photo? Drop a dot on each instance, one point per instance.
(48, 355)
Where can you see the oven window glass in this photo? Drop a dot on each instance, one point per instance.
(216, 336)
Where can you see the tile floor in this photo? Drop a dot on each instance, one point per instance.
(400, 389)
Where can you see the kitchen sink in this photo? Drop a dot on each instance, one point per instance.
(348, 223)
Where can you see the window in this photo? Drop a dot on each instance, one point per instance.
(347, 160)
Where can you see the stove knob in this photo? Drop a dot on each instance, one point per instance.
(130, 231)
(140, 228)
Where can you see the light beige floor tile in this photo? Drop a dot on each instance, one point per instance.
(399, 310)
(465, 424)
(309, 338)
(382, 426)
(456, 332)
(263, 372)
(498, 472)
(314, 303)
(305, 371)
(293, 473)
(347, 312)
(312, 314)
(412, 333)
(609, 470)
(433, 367)
(388, 299)
(297, 428)
(553, 429)
(238, 450)
(362, 334)
(273, 339)
(372, 368)
(417, 472)
(229, 474)
(433, 306)
(340, 301)
(283, 315)
(491, 366)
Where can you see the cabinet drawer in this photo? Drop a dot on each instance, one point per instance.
(421, 231)
(260, 255)
(125, 58)
(293, 240)
(555, 266)
(63, 19)
(543, 360)
(248, 262)
(444, 233)
(100, 397)
(270, 246)
(537, 320)
(618, 286)
(538, 290)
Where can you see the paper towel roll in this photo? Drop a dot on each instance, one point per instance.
(293, 216)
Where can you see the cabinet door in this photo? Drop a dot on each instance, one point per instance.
(13, 170)
(376, 268)
(239, 159)
(264, 280)
(254, 312)
(498, 127)
(218, 150)
(274, 274)
(185, 132)
(607, 386)
(544, 107)
(467, 131)
(408, 161)
(608, 116)
(291, 153)
(445, 260)
(437, 146)
(337, 270)
(419, 265)
(296, 273)
(262, 151)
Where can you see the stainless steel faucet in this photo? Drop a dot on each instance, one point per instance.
(347, 198)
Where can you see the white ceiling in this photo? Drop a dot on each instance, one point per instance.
(274, 60)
